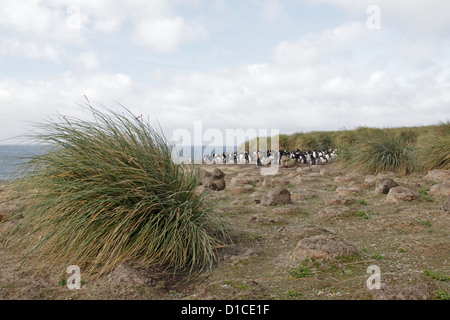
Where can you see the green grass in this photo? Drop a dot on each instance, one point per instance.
(436, 275)
(366, 214)
(293, 294)
(301, 272)
(377, 256)
(425, 223)
(362, 202)
(108, 192)
(423, 193)
(441, 295)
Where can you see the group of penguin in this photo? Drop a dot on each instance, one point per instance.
(261, 158)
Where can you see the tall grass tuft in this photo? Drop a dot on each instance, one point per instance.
(379, 151)
(108, 192)
(434, 148)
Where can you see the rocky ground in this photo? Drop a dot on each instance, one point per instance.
(304, 233)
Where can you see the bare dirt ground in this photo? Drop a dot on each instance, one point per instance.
(409, 241)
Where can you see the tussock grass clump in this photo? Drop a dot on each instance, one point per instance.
(434, 148)
(377, 152)
(108, 192)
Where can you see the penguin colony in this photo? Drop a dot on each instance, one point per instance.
(268, 157)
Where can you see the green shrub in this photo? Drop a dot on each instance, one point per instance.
(108, 192)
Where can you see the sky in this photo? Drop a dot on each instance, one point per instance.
(292, 65)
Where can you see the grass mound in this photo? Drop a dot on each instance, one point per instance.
(108, 192)
(379, 151)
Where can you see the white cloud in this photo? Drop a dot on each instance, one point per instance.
(166, 34)
(273, 10)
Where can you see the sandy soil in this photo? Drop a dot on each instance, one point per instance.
(409, 241)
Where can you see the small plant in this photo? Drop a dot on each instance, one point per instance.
(441, 295)
(62, 282)
(425, 223)
(402, 250)
(367, 214)
(377, 256)
(362, 202)
(301, 272)
(293, 294)
(423, 193)
(436, 275)
(363, 215)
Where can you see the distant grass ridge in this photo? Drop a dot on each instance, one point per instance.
(108, 192)
(367, 150)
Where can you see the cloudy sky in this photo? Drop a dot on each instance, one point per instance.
(293, 65)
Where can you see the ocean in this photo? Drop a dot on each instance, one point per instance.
(13, 156)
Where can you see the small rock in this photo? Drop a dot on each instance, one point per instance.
(260, 219)
(446, 205)
(324, 172)
(273, 182)
(242, 180)
(397, 194)
(215, 180)
(358, 184)
(256, 197)
(438, 175)
(337, 201)
(303, 169)
(370, 179)
(288, 162)
(278, 195)
(342, 191)
(327, 247)
(442, 189)
(384, 185)
(241, 189)
(126, 274)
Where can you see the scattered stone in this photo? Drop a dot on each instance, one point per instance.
(256, 197)
(438, 175)
(386, 175)
(326, 247)
(313, 230)
(288, 162)
(303, 169)
(342, 191)
(446, 205)
(358, 184)
(278, 195)
(338, 201)
(314, 174)
(324, 172)
(384, 185)
(442, 189)
(259, 219)
(242, 180)
(370, 179)
(273, 182)
(397, 194)
(215, 180)
(241, 189)
(126, 274)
